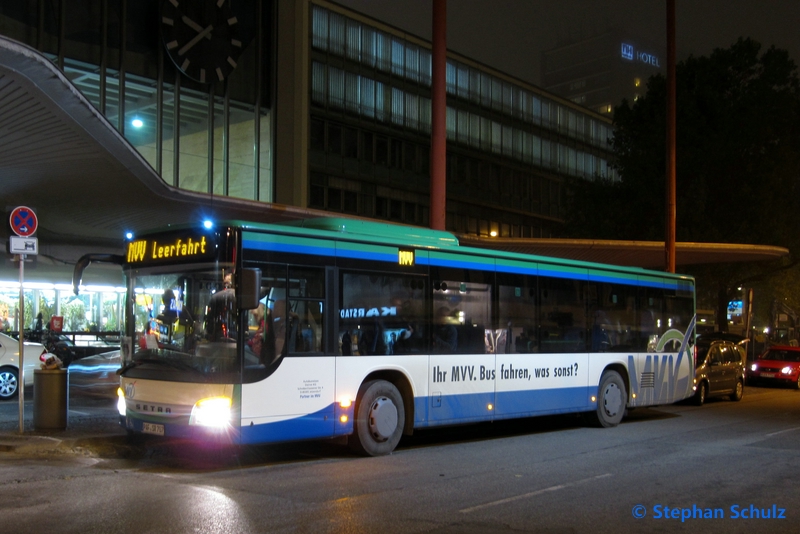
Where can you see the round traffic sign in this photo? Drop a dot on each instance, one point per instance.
(23, 221)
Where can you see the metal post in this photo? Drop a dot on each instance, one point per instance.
(439, 117)
(21, 326)
(669, 240)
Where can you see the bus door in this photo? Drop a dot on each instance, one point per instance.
(294, 397)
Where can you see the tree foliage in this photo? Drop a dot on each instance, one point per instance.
(738, 155)
(737, 162)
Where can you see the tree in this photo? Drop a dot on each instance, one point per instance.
(738, 158)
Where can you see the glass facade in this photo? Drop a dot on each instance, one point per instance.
(97, 308)
(510, 147)
(212, 138)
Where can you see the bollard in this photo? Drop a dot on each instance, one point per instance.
(50, 399)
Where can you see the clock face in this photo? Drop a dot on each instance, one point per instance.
(201, 38)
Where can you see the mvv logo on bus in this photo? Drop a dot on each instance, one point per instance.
(136, 251)
(661, 379)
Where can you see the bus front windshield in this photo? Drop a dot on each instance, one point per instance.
(185, 324)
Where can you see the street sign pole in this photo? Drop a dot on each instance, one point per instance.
(23, 222)
(21, 326)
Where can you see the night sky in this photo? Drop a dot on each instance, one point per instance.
(510, 34)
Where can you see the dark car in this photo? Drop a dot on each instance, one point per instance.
(778, 365)
(719, 369)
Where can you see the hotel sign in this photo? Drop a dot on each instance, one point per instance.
(629, 53)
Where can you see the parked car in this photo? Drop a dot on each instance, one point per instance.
(779, 364)
(719, 369)
(9, 364)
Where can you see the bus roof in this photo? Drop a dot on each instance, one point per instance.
(400, 235)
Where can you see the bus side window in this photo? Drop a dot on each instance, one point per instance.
(306, 332)
(306, 306)
(517, 313)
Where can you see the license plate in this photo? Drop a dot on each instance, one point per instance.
(150, 428)
(767, 375)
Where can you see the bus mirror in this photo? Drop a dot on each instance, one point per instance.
(85, 260)
(250, 290)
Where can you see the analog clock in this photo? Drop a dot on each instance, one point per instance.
(201, 38)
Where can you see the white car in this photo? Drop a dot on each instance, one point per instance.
(9, 364)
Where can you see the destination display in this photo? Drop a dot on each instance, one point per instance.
(172, 247)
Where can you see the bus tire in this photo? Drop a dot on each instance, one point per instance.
(379, 419)
(612, 399)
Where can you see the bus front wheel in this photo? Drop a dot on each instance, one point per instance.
(612, 399)
(379, 419)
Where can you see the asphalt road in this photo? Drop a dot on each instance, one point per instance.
(710, 467)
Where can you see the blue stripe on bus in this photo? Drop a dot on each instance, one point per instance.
(272, 246)
(312, 426)
(289, 248)
(469, 408)
(518, 270)
(361, 255)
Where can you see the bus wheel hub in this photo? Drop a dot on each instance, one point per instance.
(382, 419)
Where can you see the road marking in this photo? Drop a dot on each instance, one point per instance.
(79, 413)
(782, 431)
(533, 493)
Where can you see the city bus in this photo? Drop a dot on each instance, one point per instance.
(250, 333)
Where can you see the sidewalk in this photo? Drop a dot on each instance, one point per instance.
(92, 428)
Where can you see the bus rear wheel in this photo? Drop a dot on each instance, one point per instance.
(612, 399)
(379, 419)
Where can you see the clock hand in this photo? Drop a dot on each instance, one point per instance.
(193, 25)
(185, 48)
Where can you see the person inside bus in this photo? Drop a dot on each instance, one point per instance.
(371, 340)
(409, 338)
(262, 341)
(284, 322)
(445, 335)
(221, 313)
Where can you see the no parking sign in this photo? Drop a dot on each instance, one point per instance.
(23, 221)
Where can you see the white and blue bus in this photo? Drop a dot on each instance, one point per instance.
(254, 333)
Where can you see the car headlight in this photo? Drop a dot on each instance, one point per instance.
(212, 411)
(787, 370)
(754, 367)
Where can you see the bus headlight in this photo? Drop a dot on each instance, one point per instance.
(121, 408)
(212, 411)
